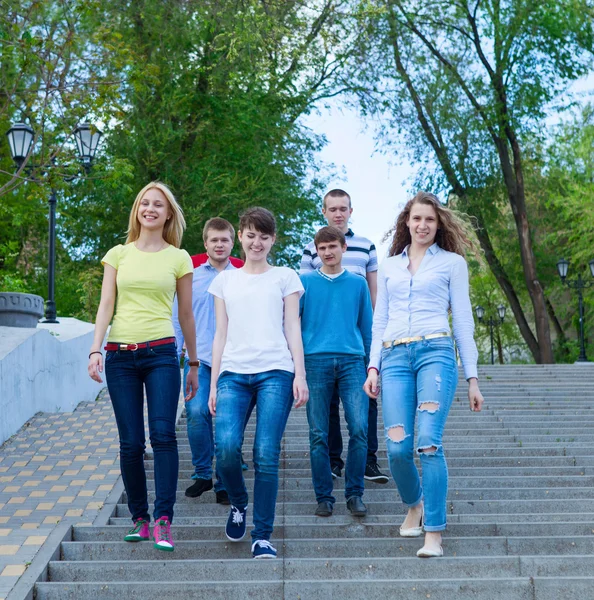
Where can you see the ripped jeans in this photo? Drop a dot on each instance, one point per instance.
(419, 379)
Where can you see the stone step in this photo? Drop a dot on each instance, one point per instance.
(347, 528)
(453, 462)
(396, 517)
(454, 472)
(375, 494)
(345, 548)
(455, 483)
(455, 506)
(311, 569)
(498, 588)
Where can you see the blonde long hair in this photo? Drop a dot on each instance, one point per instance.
(453, 233)
(174, 227)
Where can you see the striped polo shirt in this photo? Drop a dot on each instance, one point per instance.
(360, 256)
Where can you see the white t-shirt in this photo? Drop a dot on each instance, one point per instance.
(255, 334)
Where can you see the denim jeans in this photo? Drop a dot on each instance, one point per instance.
(157, 370)
(199, 423)
(346, 374)
(335, 435)
(414, 374)
(273, 393)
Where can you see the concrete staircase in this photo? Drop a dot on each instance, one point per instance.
(521, 522)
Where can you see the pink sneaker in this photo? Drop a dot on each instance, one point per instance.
(138, 533)
(162, 534)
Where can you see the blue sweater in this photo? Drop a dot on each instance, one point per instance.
(336, 314)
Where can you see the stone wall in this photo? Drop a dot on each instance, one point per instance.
(43, 369)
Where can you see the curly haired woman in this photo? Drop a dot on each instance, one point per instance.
(424, 278)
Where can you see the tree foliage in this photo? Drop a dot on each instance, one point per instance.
(208, 100)
(466, 85)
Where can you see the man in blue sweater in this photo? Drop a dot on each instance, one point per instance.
(336, 319)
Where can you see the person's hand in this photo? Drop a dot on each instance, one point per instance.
(371, 385)
(212, 401)
(300, 391)
(191, 384)
(475, 398)
(95, 366)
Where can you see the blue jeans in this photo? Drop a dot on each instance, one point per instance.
(347, 375)
(199, 423)
(157, 370)
(273, 392)
(335, 435)
(419, 378)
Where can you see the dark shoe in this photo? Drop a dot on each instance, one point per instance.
(263, 549)
(199, 487)
(356, 506)
(372, 473)
(336, 471)
(236, 525)
(324, 509)
(222, 497)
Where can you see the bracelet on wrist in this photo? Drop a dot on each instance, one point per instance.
(95, 352)
(374, 369)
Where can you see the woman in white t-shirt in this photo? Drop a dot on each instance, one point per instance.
(257, 353)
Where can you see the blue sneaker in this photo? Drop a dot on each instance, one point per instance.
(263, 549)
(236, 525)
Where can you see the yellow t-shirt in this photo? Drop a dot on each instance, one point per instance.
(146, 283)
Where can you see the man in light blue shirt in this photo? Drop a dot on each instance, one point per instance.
(218, 236)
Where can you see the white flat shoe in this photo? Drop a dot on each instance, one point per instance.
(412, 532)
(430, 553)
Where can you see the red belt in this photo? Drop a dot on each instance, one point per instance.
(112, 346)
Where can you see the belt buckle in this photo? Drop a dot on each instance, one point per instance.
(128, 347)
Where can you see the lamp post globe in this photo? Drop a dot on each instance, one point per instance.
(562, 268)
(501, 311)
(87, 139)
(20, 139)
(480, 312)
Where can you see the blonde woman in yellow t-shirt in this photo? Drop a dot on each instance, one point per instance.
(141, 279)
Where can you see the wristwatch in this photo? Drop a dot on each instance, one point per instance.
(194, 363)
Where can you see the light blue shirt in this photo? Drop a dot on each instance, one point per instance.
(409, 306)
(204, 313)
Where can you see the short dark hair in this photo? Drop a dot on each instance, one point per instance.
(258, 218)
(218, 224)
(329, 234)
(337, 193)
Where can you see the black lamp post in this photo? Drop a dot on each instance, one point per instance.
(491, 323)
(577, 284)
(20, 139)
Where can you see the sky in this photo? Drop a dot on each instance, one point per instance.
(378, 189)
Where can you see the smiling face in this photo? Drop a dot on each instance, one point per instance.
(256, 245)
(218, 244)
(153, 210)
(330, 253)
(337, 212)
(422, 223)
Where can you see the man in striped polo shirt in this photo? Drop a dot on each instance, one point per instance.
(360, 258)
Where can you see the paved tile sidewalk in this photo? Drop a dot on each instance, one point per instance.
(57, 467)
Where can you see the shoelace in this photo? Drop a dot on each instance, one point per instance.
(163, 533)
(264, 544)
(137, 527)
(237, 516)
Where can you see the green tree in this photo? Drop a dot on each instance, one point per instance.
(466, 86)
